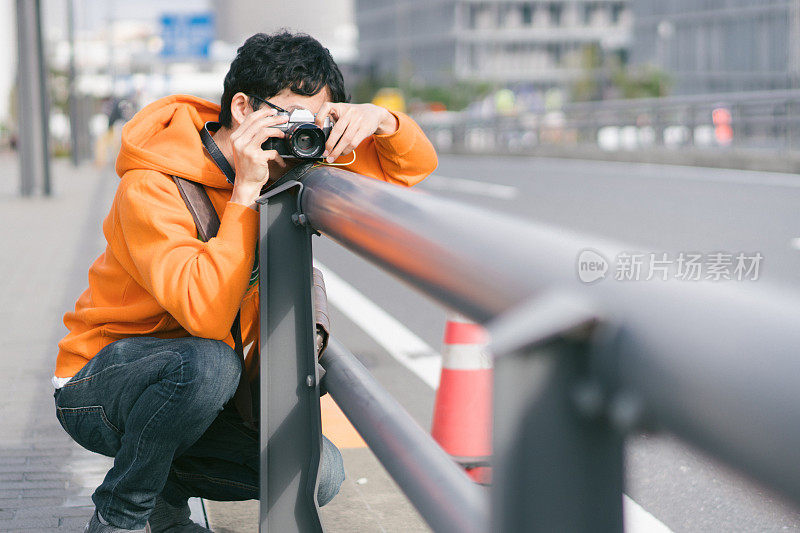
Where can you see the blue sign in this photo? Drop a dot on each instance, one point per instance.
(187, 35)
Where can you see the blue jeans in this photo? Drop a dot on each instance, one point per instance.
(161, 408)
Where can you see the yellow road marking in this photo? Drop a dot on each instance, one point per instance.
(336, 427)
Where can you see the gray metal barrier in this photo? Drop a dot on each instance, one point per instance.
(437, 487)
(758, 130)
(580, 365)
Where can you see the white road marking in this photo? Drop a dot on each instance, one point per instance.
(198, 512)
(399, 341)
(405, 346)
(737, 177)
(795, 243)
(638, 520)
(660, 171)
(478, 188)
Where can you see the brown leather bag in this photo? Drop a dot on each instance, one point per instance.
(207, 222)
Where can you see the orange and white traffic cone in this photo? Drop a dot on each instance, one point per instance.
(462, 414)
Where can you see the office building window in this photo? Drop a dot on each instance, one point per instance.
(616, 13)
(527, 14)
(588, 13)
(555, 14)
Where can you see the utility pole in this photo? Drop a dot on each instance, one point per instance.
(75, 123)
(33, 123)
(794, 45)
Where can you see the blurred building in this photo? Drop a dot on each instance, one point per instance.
(329, 21)
(8, 57)
(535, 42)
(720, 45)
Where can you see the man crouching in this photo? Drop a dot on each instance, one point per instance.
(147, 371)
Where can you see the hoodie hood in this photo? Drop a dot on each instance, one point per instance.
(165, 137)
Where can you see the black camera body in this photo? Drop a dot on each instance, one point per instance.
(303, 138)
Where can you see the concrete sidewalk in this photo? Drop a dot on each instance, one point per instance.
(47, 246)
(46, 479)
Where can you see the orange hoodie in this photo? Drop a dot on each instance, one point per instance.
(156, 278)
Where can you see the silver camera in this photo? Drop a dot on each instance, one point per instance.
(303, 139)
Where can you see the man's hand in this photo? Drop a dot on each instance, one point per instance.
(250, 161)
(354, 123)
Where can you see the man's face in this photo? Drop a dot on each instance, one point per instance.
(290, 101)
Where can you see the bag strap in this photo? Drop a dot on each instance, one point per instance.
(200, 206)
(321, 312)
(207, 222)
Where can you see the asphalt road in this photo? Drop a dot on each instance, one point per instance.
(655, 209)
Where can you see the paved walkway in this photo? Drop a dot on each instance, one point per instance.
(46, 480)
(47, 245)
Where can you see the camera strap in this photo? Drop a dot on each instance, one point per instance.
(209, 128)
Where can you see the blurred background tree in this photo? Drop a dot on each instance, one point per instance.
(607, 76)
(643, 82)
(453, 97)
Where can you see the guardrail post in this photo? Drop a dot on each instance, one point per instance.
(32, 105)
(291, 433)
(558, 465)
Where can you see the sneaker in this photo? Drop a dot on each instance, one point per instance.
(168, 519)
(96, 526)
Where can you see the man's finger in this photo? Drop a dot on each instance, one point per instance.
(257, 127)
(263, 122)
(255, 115)
(323, 112)
(349, 139)
(266, 133)
(248, 121)
(337, 131)
(358, 138)
(273, 155)
(328, 109)
(343, 144)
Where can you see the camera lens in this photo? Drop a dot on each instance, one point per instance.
(306, 141)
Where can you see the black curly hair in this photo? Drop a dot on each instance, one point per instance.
(267, 64)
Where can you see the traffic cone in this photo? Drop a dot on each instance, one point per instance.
(462, 413)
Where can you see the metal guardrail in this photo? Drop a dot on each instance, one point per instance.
(760, 121)
(435, 484)
(577, 365)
